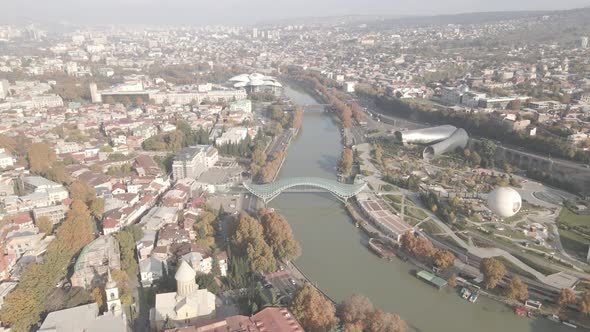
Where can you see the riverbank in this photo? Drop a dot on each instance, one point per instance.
(495, 295)
(335, 256)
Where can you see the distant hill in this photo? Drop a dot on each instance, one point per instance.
(464, 18)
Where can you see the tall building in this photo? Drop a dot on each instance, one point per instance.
(254, 33)
(192, 161)
(582, 42)
(4, 89)
(94, 95)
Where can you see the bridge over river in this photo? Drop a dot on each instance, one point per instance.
(267, 192)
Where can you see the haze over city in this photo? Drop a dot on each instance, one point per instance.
(250, 12)
(291, 166)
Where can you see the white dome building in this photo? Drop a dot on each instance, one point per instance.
(504, 202)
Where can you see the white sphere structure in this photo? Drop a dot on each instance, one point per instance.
(504, 202)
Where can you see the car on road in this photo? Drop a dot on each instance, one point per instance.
(292, 281)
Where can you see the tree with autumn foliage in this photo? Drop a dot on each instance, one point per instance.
(297, 117)
(45, 225)
(346, 161)
(385, 321)
(566, 297)
(41, 157)
(585, 302)
(356, 310)
(452, 281)
(78, 229)
(312, 310)
(258, 160)
(279, 236)
(23, 307)
(517, 290)
(357, 112)
(357, 313)
(444, 259)
(493, 271)
(408, 241)
(248, 241)
(421, 248)
(99, 296)
(82, 191)
(205, 229)
(424, 249)
(271, 168)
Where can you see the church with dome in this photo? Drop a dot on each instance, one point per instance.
(186, 306)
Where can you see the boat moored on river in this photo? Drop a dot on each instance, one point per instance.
(381, 249)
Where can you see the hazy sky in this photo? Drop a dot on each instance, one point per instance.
(245, 11)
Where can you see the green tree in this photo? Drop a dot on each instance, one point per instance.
(127, 245)
(175, 141)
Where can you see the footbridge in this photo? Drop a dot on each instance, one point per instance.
(267, 192)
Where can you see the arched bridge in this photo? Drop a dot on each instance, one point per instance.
(267, 192)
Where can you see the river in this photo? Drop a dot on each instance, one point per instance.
(335, 257)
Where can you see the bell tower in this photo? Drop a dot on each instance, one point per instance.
(112, 292)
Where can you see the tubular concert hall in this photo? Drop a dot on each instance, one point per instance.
(443, 139)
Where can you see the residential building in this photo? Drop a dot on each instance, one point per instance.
(233, 135)
(5, 159)
(194, 160)
(56, 213)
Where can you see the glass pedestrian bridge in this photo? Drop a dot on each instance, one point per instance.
(267, 192)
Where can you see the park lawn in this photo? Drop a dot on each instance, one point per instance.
(513, 268)
(394, 198)
(571, 219)
(574, 242)
(415, 212)
(430, 227)
(512, 234)
(546, 270)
